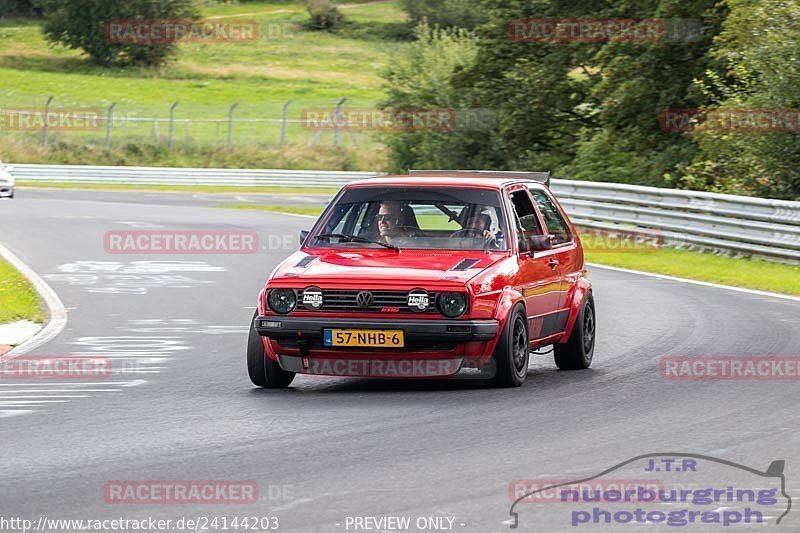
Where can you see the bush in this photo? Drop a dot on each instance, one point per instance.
(445, 13)
(324, 15)
(19, 8)
(81, 24)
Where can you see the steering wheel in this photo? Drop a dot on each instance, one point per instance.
(411, 231)
(467, 233)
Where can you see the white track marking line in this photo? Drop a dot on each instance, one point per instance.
(9, 414)
(695, 282)
(28, 391)
(135, 383)
(29, 402)
(70, 384)
(58, 314)
(45, 397)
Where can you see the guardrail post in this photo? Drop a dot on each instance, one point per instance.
(230, 123)
(171, 141)
(46, 113)
(109, 117)
(283, 122)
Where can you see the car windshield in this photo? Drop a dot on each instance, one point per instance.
(420, 218)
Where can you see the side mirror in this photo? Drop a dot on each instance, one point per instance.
(540, 243)
(303, 236)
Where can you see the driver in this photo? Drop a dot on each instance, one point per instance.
(391, 221)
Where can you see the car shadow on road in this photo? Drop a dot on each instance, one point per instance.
(540, 378)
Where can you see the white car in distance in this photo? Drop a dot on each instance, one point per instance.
(6, 181)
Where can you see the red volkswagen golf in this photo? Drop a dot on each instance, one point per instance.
(431, 275)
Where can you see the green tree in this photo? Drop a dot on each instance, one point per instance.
(420, 79)
(641, 80)
(759, 49)
(82, 24)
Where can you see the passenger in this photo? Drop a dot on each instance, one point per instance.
(479, 225)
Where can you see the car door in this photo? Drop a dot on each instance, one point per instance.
(538, 278)
(566, 248)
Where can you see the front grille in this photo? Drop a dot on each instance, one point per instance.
(346, 300)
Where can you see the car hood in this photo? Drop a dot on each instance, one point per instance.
(385, 267)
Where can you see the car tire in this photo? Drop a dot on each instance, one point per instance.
(512, 354)
(577, 353)
(264, 372)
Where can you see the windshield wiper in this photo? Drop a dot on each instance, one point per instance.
(356, 238)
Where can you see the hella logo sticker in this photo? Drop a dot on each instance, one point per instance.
(312, 298)
(418, 301)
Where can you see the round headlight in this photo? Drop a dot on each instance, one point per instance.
(452, 304)
(282, 301)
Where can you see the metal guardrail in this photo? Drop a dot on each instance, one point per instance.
(742, 225)
(184, 176)
(753, 227)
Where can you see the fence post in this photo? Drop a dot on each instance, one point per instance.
(46, 113)
(109, 116)
(230, 123)
(337, 114)
(172, 124)
(283, 122)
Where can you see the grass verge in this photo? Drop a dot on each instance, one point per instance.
(288, 157)
(18, 298)
(746, 273)
(290, 209)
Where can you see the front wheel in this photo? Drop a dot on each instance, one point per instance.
(264, 372)
(512, 354)
(577, 353)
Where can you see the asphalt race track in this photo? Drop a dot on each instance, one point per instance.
(179, 405)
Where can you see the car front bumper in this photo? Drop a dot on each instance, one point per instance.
(433, 331)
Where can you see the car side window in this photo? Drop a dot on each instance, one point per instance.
(526, 220)
(556, 225)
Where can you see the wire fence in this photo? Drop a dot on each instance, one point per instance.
(45, 120)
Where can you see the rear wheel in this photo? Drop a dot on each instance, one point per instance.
(577, 353)
(264, 372)
(512, 354)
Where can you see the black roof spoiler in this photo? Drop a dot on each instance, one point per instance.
(539, 177)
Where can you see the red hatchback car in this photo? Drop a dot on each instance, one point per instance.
(430, 275)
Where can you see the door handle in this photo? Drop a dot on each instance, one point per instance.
(553, 263)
